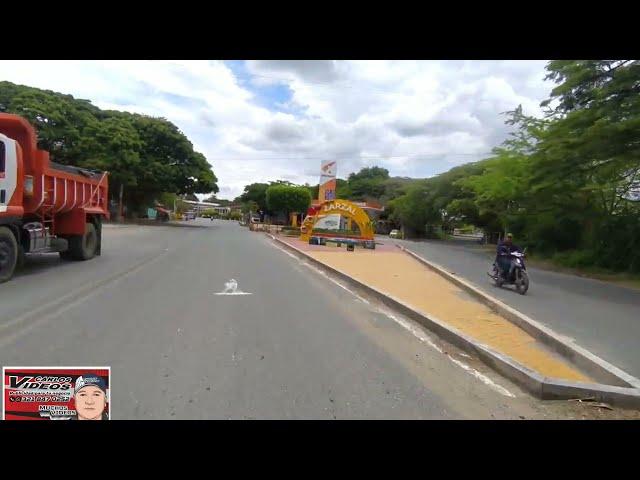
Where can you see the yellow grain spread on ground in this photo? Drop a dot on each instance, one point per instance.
(404, 278)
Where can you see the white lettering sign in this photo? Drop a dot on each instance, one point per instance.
(340, 206)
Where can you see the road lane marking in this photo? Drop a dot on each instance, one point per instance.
(483, 378)
(26, 321)
(421, 336)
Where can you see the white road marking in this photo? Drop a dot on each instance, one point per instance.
(231, 288)
(285, 252)
(483, 378)
(420, 335)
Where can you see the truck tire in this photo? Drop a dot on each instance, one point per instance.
(8, 254)
(84, 247)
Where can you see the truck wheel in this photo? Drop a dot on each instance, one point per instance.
(84, 247)
(8, 254)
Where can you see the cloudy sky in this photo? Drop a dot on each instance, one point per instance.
(266, 120)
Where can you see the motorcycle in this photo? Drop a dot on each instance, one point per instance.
(517, 274)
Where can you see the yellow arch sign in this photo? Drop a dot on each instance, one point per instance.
(340, 207)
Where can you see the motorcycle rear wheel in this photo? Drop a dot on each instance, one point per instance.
(522, 283)
(497, 277)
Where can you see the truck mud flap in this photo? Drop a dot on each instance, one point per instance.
(98, 224)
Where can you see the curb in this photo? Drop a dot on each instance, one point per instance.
(539, 386)
(598, 368)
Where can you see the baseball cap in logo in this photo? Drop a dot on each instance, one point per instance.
(90, 380)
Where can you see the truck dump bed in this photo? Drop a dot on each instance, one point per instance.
(58, 189)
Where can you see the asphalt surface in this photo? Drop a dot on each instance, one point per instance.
(602, 317)
(299, 347)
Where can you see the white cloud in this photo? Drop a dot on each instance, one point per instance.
(411, 117)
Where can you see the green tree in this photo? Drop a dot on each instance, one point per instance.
(288, 199)
(586, 163)
(415, 209)
(395, 187)
(235, 215)
(592, 144)
(113, 145)
(167, 199)
(223, 202)
(368, 183)
(169, 159)
(250, 207)
(256, 192)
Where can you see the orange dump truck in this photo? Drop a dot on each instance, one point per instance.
(45, 206)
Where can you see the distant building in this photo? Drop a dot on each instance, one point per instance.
(201, 206)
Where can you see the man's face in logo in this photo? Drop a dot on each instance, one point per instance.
(90, 403)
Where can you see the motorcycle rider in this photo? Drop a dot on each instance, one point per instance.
(503, 256)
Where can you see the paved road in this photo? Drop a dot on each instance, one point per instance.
(298, 347)
(602, 317)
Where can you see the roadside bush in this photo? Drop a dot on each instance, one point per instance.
(575, 258)
(210, 213)
(291, 231)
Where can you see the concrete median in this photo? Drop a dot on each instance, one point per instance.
(532, 356)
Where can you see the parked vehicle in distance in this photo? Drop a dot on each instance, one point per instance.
(395, 234)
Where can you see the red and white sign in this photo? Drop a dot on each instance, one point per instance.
(329, 168)
(327, 189)
(52, 393)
